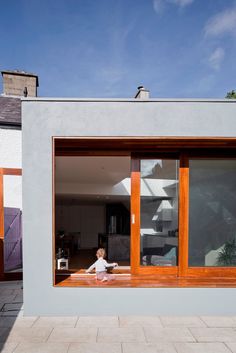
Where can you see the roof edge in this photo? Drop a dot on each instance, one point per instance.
(127, 100)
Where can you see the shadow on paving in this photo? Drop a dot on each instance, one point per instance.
(11, 309)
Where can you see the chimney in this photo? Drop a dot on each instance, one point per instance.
(142, 93)
(19, 83)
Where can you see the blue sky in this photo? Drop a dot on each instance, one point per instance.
(106, 48)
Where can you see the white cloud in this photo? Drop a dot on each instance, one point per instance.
(216, 58)
(159, 5)
(222, 23)
(181, 3)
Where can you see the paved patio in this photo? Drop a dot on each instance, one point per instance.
(112, 334)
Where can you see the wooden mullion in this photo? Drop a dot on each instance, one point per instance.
(158, 270)
(183, 214)
(211, 272)
(135, 212)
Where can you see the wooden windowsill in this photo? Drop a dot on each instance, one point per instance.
(127, 280)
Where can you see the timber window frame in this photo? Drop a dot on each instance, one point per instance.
(183, 148)
(200, 271)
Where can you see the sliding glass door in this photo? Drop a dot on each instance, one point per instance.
(183, 214)
(155, 215)
(212, 213)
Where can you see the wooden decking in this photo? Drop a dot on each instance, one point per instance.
(123, 279)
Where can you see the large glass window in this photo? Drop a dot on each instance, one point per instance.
(92, 211)
(170, 213)
(159, 212)
(212, 212)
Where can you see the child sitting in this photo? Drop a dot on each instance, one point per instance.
(101, 266)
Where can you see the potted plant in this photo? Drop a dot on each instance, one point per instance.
(227, 256)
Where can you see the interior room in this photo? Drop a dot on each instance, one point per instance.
(93, 195)
(92, 210)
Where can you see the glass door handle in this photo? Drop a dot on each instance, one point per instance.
(133, 218)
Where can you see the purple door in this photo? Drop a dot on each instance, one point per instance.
(12, 239)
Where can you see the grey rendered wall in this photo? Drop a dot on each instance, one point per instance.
(43, 119)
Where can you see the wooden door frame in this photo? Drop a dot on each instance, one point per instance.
(183, 214)
(182, 269)
(3, 275)
(136, 267)
(185, 269)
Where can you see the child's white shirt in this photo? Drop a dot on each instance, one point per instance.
(100, 265)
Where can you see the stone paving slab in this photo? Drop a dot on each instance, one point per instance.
(78, 334)
(11, 285)
(52, 321)
(120, 334)
(148, 348)
(98, 321)
(6, 291)
(18, 299)
(182, 321)
(201, 348)
(219, 321)
(17, 321)
(95, 348)
(11, 313)
(12, 307)
(7, 347)
(232, 346)
(140, 321)
(166, 335)
(20, 334)
(46, 347)
(214, 334)
(5, 298)
(109, 334)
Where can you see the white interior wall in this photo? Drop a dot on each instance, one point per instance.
(89, 220)
(10, 148)
(12, 191)
(11, 157)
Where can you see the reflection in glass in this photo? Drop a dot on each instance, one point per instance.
(212, 213)
(159, 212)
(12, 223)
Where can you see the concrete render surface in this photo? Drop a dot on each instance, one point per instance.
(43, 119)
(109, 334)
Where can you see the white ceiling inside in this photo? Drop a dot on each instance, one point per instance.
(92, 170)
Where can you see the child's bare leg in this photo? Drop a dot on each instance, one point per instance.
(104, 279)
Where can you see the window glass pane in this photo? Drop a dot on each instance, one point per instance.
(92, 211)
(212, 213)
(159, 212)
(12, 223)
